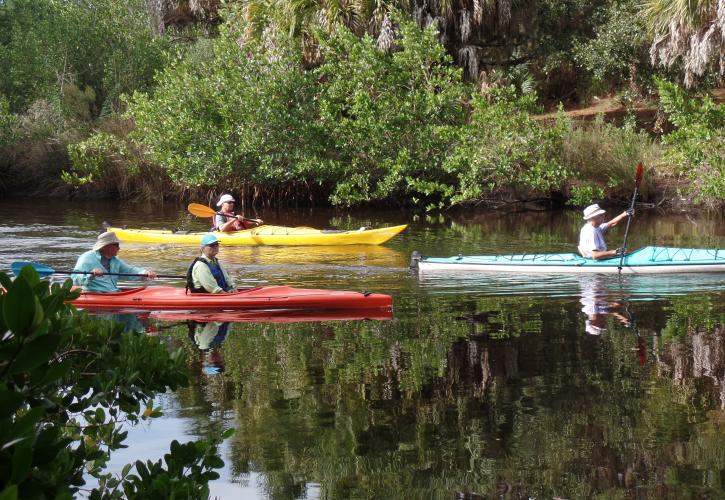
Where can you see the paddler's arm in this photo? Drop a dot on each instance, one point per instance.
(619, 217)
(119, 266)
(85, 263)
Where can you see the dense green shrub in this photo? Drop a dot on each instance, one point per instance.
(617, 54)
(66, 384)
(101, 46)
(504, 152)
(391, 120)
(697, 143)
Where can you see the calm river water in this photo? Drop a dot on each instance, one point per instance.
(480, 386)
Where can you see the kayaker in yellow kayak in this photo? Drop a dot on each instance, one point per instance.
(227, 220)
(100, 261)
(206, 274)
(591, 236)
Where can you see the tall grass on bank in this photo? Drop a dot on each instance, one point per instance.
(602, 158)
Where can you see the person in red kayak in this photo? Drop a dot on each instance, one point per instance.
(227, 220)
(102, 259)
(206, 274)
(591, 237)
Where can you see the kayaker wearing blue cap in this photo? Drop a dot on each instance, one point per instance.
(206, 273)
(101, 260)
(591, 237)
(227, 220)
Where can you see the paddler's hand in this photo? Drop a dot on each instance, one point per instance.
(97, 272)
(151, 275)
(259, 222)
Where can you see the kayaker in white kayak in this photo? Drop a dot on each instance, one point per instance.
(102, 259)
(206, 274)
(227, 220)
(591, 237)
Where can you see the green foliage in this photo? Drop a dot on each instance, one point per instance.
(503, 149)
(698, 142)
(66, 385)
(390, 119)
(618, 48)
(90, 158)
(246, 112)
(8, 123)
(102, 45)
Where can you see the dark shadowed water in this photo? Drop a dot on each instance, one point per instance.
(506, 386)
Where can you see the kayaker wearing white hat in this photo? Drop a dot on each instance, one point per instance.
(591, 237)
(101, 260)
(206, 273)
(227, 220)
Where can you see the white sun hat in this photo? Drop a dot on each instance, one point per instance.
(592, 210)
(223, 199)
(107, 238)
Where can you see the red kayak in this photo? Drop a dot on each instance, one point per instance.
(281, 316)
(266, 297)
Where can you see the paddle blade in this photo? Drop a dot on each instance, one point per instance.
(43, 270)
(200, 210)
(640, 173)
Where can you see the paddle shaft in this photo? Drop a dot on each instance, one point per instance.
(119, 274)
(637, 181)
(203, 211)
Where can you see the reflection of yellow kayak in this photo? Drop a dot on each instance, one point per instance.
(265, 235)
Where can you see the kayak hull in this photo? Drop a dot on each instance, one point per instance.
(264, 235)
(647, 260)
(163, 298)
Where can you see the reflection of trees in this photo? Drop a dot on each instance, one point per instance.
(693, 351)
(510, 401)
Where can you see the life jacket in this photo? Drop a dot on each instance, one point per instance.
(216, 271)
(238, 225)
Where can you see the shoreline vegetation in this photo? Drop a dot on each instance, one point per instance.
(413, 108)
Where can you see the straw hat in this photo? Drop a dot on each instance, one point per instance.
(107, 238)
(592, 211)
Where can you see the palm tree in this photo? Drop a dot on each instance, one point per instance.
(688, 30)
(476, 32)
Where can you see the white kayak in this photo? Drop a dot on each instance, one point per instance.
(647, 260)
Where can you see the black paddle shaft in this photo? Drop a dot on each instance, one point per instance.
(120, 274)
(637, 181)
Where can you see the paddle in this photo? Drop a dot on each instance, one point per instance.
(204, 211)
(637, 181)
(44, 270)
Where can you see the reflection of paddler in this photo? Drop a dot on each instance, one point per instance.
(595, 306)
(208, 337)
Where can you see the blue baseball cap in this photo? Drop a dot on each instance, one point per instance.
(209, 239)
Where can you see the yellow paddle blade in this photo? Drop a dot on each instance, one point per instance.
(200, 210)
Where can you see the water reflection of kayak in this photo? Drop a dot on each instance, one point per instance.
(269, 297)
(265, 235)
(273, 316)
(647, 260)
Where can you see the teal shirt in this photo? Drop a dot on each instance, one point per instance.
(92, 260)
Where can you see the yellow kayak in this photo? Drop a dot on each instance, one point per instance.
(264, 235)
